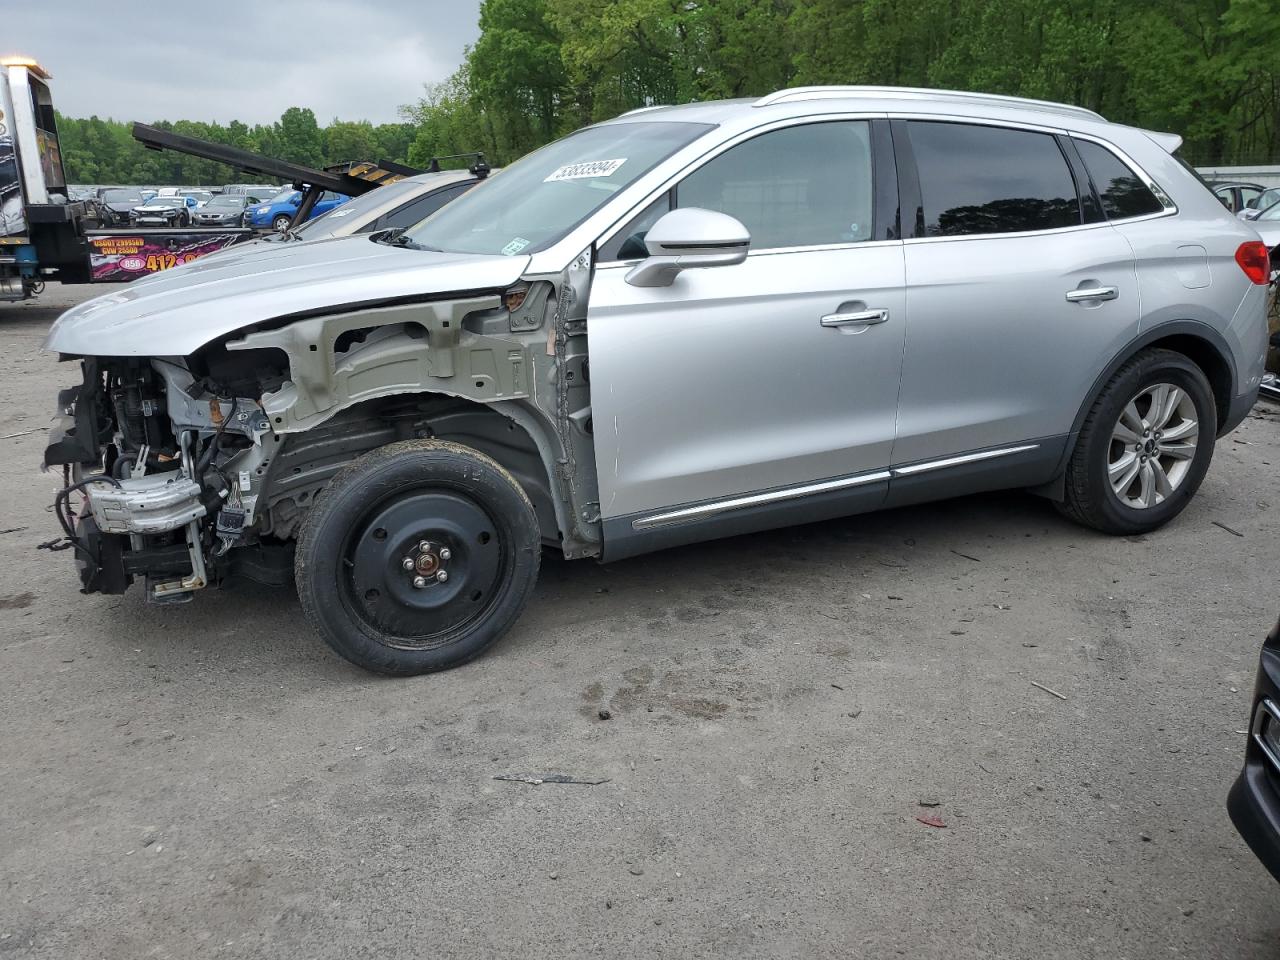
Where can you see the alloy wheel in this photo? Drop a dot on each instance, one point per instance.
(1153, 444)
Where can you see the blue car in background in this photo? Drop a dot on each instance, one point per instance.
(277, 213)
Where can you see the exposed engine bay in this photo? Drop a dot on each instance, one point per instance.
(182, 471)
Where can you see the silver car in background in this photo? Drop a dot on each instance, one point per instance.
(685, 323)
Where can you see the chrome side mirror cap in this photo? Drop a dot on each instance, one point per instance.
(687, 238)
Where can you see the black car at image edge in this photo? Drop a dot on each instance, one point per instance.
(1254, 802)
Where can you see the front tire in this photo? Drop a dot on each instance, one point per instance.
(417, 557)
(1145, 445)
(281, 223)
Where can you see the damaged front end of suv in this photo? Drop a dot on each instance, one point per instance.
(196, 446)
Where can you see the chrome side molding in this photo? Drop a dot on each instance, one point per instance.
(705, 510)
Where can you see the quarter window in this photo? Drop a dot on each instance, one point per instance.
(981, 180)
(1122, 191)
(799, 186)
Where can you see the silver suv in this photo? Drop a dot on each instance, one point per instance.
(688, 322)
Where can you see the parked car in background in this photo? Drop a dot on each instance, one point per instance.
(164, 211)
(201, 196)
(1235, 195)
(258, 191)
(278, 212)
(1254, 801)
(1267, 198)
(117, 203)
(395, 205)
(422, 413)
(224, 210)
(1267, 223)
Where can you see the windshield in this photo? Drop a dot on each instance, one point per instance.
(283, 196)
(357, 207)
(537, 200)
(121, 196)
(166, 202)
(1270, 213)
(226, 202)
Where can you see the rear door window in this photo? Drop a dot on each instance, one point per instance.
(983, 180)
(1122, 191)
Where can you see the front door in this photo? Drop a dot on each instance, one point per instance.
(759, 378)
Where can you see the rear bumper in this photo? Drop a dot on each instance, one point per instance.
(1254, 801)
(1237, 410)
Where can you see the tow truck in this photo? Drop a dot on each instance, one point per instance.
(45, 235)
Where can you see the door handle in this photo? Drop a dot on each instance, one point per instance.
(1087, 294)
(859, 318)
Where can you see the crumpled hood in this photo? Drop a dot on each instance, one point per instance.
(178, 311)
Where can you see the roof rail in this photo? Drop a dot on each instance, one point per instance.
(656, 106)
(922, 93)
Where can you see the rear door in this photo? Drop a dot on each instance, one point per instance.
(1018, 294)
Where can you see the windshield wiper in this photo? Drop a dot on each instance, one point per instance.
(395, 237)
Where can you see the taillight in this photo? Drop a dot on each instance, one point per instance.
(1254, 261)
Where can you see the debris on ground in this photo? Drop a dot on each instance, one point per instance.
(929, 802)
(605, 714)
(1060, 696)
(932, 821)
(966, 556)
(1230, 530)
(539, 778)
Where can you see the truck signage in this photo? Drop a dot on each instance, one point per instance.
(118, 256)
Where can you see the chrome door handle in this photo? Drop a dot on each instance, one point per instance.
(1086, 294)
(860, 318)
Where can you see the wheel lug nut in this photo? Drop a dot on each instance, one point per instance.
(419, 582)
(407, 563)
(445, 553)
(425, 546)
(442, 576)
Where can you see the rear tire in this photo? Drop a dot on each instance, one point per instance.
(1145, 445)
(461, 525)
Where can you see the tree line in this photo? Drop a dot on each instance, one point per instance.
(1207, 69)
(104, 151)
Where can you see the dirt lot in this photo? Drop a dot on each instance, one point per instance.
(209, 781)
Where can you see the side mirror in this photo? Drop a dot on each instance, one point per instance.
(687, 238)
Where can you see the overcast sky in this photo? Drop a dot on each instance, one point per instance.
(237, 59)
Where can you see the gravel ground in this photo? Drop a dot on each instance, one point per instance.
(209, 781)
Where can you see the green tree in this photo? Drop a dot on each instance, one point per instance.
(299, 135)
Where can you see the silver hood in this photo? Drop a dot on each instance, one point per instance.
(176, 312)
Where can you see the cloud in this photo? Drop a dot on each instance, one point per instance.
(239, 59)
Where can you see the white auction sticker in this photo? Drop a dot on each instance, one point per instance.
(515, 246)
(585, 171)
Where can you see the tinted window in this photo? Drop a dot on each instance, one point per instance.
(977, 180)
(794, 187)
(418, 210)
(1122, 191)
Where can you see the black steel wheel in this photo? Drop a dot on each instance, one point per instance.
(417, 557)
